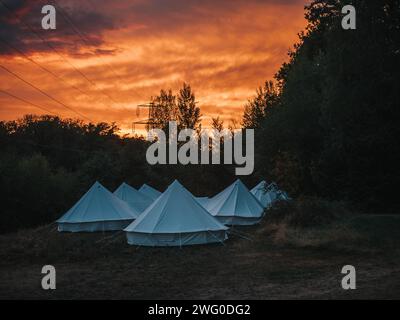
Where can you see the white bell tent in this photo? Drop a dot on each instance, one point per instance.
(202, 200)
(97, 210)
(175, 219)
(236, 205)
(137, 200)
(268, 194)
(282, 195)
(260, 192)
(150, 191)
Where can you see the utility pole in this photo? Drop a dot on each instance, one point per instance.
(149, 122)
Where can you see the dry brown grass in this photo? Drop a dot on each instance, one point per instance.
(269, 261)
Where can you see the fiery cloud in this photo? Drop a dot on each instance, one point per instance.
(113, 55)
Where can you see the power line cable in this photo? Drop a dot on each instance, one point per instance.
(46, 69)
(42, 67)
(52, 48)
(44, 93)
(83, 36)
(46, 42)
(27, 102)
(80, 35)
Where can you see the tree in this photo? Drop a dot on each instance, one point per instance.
(260, 106)
(217, 124)
(188, 113)
(164, 109)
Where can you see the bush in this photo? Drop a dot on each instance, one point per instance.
(306, 212)
(34, 193)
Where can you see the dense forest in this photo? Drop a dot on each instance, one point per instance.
(328, 123)
(326, 126)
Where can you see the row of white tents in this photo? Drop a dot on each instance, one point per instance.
(172, 218)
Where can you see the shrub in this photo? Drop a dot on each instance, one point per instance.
(306, 212)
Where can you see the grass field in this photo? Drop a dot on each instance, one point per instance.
(268, 262)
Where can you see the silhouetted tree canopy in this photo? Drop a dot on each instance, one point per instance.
(334, 128)
(181, 108)
(164, 109)
(188, 113)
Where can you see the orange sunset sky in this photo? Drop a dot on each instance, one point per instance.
(106, 57)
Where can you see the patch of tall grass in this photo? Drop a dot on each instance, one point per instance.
(322, 224)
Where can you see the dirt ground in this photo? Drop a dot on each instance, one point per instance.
(103, 266)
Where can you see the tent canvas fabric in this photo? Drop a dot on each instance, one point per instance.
(236, 205)
(97, 210)
(282, 195)
(175, 219)
(268, 194)
(149, 191)
(202, 200)
(260, 192)
(138, 201)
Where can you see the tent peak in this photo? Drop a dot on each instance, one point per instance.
(97, 185)
(126, 185)
(176, 183)
(150, 191)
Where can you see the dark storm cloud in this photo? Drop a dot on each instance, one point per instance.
(94, 18)
(18, 17)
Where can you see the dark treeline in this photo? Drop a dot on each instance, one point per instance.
(328, 124)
